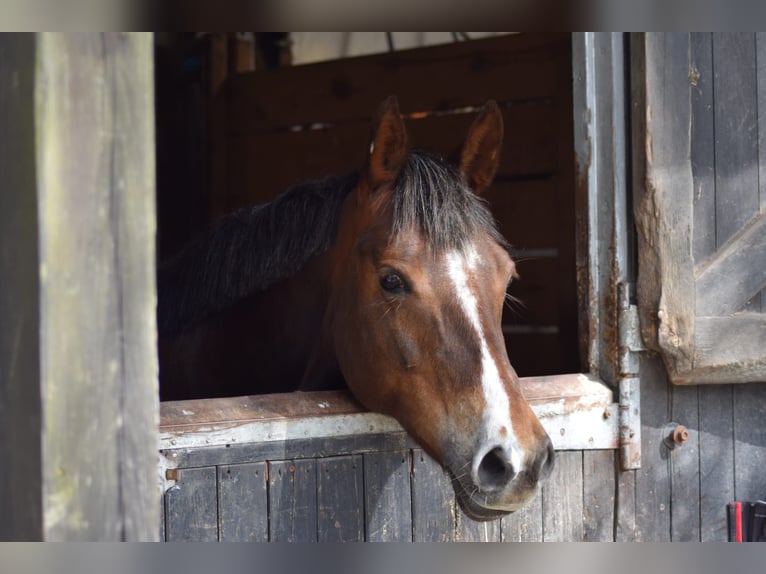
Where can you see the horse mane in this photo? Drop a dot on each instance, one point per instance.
(255, 247)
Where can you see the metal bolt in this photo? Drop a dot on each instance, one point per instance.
(607, 413)
(680, 435)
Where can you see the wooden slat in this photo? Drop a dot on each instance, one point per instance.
(563, 499)
(598, 495)
(716, 462)
(525, 525)
(254, 450)
(685, 468)
(740, 359)
(433, 501)
(340, 499)
(735, 131)
(625, 529)
(749, 442)
(387, 497)
(760, 58)
(261, 166)
(242, 503)
(21, 416)
(471, 531)
(652, 485)
(736, 273)
(703, 145)
(520, 67)
(736, 135)
(292, 501)
(191, 507)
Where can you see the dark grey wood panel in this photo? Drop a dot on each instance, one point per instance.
(703, 145)
(293, 501)
(750, 442)
(472, 531)
(239, 453)
(525, 525)
(760, 58)
(243, 503)
(684, 467)
(21, 486)
(387, 494)
(562, 499)
(191, 506)
(716, 461)
(433, 500)
(652, 487)
(598, 479)
(340, 499)
(736, 135)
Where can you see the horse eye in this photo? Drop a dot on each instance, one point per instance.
(392, 282)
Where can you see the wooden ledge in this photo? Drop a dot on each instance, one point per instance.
(576, 410)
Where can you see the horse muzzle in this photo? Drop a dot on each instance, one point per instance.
(500, 481)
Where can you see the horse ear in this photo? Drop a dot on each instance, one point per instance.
(480, 154)
(388, 145)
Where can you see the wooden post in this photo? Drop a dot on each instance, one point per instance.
(88, 330)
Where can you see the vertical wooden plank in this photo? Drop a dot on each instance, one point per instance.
(736, 136)
(598, 495)
(652, 486)
(340, 499)
(525, 525)
(625, 523)
(293, 501)
(163, 535)
(387, 497)
(191, 506)
(563, 499)
(21, 485)
(750, 441)
(760, 59)
(433, 500)
(716, 449)
(243, 513)
(95, 146)
(685, 468)
(702, 145)
(471, 531)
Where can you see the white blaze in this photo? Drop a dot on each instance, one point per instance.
(497, 413)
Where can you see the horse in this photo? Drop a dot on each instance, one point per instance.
(389, 281)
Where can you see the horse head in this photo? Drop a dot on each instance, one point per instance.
(419, 275)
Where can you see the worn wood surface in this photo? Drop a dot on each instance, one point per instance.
(701, 237)
(78, 212)
(21, 493)
(293, 501)
(243, 512)
(685, 467)
(433, 501)
(562, 499)
(525, 525)
(387, 496)
(598, 480)
(191, 506)
(340, 499)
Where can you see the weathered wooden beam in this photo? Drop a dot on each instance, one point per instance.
(735, 272)
(81, 346)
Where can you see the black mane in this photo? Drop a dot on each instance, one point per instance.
(255, 247)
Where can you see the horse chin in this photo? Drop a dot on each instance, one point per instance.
(476, 511)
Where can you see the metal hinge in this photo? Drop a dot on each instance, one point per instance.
(630, 345)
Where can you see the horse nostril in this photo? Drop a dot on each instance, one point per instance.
(495, 470)
(545, 465)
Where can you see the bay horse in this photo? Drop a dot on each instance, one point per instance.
(390, 281)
